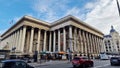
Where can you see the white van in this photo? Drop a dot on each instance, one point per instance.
(104, 56)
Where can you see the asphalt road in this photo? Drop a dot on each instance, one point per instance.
(66, 64)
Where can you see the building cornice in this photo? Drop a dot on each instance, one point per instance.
(36, 20)
(28, 18)
(60, 21)
(70, 17)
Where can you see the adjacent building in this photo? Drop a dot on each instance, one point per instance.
(30, 34)
(112, 42)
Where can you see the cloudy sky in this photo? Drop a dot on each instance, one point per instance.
(100, 14)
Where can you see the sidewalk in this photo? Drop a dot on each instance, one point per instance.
(48, 63)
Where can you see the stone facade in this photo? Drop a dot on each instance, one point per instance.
(112, 41)
(30, 34)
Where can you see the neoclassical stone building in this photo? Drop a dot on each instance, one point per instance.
(30, 34)
(112, 41)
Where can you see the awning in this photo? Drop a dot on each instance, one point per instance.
(62, 52)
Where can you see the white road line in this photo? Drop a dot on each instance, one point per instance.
(101, 66)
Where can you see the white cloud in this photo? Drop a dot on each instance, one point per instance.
(89, 5)
(100, 14)
(104, 15)
(49, 9)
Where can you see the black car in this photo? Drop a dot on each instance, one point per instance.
(14, 64)
(115, 61)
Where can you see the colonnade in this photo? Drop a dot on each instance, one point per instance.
(76, 39)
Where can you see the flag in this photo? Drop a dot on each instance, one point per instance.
(118, 7)
(11, 21)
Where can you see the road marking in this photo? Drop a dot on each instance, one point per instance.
(101, 66)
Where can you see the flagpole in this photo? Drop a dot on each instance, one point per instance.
(118, 7)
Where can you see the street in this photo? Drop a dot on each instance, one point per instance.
(66, 64)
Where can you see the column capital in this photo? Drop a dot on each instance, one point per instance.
(70, 25)
(24, 26)
(39, 29)
(45, 30)
(63, 27)
(32, 27)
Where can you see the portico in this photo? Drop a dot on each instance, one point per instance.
(30, 34)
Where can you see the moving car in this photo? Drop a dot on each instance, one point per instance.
(14, 64)
(115, 60)
(82, 62)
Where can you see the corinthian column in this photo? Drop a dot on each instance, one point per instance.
(20, 40)
(23, 38)
(38, 45)
(70, 38)
(64, 39)
(44, 46)
(31, 40)
(58, 40)
(14, 39)
(93, 44)
(98, 45)
(87, 43)
(17, 40)
(75, 40)
(81, 42)
(50, 42)
(54, 42)
(96, 50)
(91, 48)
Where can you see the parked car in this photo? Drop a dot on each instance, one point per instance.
(13, 57)
(27, 60)
(82, 62)
(14, 64)
(115, 60)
